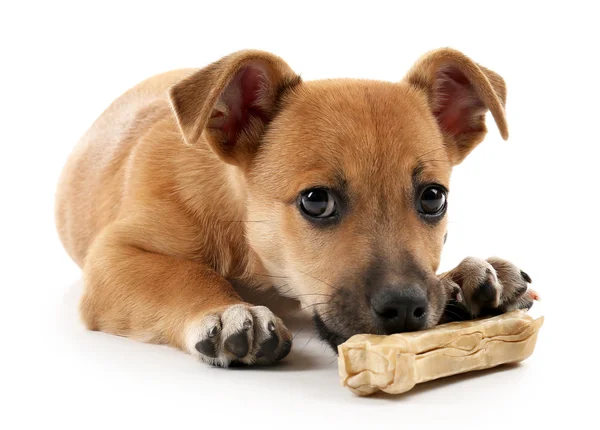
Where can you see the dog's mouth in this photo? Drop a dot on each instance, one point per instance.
(330, 337)
(453, 311)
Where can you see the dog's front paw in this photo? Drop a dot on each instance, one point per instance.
(492, 286)
(239, 334)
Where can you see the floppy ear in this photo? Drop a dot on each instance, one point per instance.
(231, 101)
(460, 92)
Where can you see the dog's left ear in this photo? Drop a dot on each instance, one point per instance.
(459, 93)
(231, 101)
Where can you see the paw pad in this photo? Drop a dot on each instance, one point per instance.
(237, 344)
(240, 334)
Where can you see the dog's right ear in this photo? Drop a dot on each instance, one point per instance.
(460, 92)
(231, 101)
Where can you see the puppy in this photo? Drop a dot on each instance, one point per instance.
(334, 192)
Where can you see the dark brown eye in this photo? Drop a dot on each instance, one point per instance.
(317, 203)
(432, 201)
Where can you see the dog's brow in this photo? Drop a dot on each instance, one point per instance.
(341, 182)
(337, 182)
(417, 172)
(418, 177)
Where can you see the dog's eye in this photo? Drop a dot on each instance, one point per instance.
(432, 201)
(317, 203)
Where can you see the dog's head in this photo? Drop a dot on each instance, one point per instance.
(346, 181)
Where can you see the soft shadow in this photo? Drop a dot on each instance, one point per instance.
(437, 384)
(308, 352)
(294, 362)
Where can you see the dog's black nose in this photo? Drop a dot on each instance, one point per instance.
(400, 309)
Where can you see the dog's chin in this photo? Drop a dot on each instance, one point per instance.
(330, 337)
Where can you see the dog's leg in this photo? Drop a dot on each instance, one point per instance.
(133, 292)
(481, 287)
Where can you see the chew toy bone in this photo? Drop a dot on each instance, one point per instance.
(396, 363)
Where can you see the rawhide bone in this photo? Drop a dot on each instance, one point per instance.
(396, 363)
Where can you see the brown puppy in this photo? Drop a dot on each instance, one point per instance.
(332, 191)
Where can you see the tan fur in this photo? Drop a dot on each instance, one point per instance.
(161, 209)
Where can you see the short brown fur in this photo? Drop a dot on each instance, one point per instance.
(190, 180)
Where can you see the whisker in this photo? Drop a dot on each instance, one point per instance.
(311, 294)
(283, 293)
(237, 220)
(449, 309)
(327, 320)
(335, 358)
(296, 297)
(317, 279)
(327, 312)
(297, 333)
(269, 276)
(314, 304)
(453, 316)
(457, 279)
(458, 312)
(306, 307)
(429, 152)
(308, 341)
(277, 291)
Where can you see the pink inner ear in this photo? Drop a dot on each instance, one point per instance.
(458, 103)
(241, 98)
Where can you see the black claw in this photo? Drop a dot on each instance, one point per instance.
(486, 293)
(206, 347)
(247, 324)
(213, 331)
(271, 326)
(526, 277)
(268, 347)
(286, 347)
(237, 344)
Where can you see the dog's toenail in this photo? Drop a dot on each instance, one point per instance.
(247, 324)
(268, 347)
(206, 347)
(526, 277)
(286, 347)
(237, 344)
(213, 331)
(271, 326)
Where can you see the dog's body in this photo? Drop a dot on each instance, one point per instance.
(241, 171)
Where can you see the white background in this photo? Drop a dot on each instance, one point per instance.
(533, 199)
